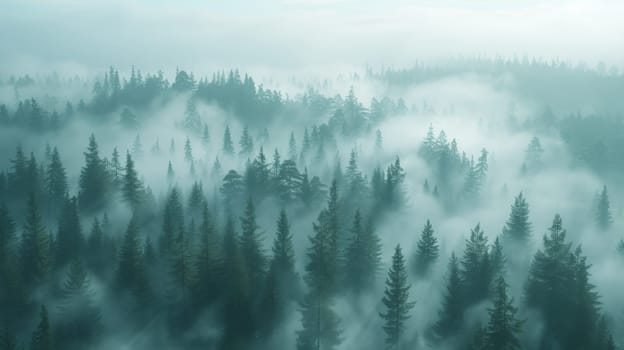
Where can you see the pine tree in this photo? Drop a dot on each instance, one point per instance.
(427, 250)
(503, 328)
(79, 314)
(132, 189)
(319, 322)
(93, 179)
(246, 143)
(115, 168)
(378, 141)
(292, 147)
(283, 252)
(170, 173)
(69, 240)
(206, 136)
(228, 146)
(173, 221)
(450, 316)
(251, 246)
(475, 273)
(518, 228)
(130, 274)
(356, 183)
(56, 179)
(289, 180)
(35, 245)
(603, 216)
(396, 301)
(207, 261)
(361, 256)
(42, 336)
(232, 188)
(188, 151)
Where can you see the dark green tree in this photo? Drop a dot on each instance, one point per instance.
(35, 245)
(362, 256)
(228, 146)
(427, 250)
(603, 216)
(130, 275)
(451, 315)
(320, 325)
(396, 301)
(93, 179)
(42, 336)
(504, 327)
(70, 241)
(475, 272)
(56, 180)
(251, 246)
(132, 188)
(518, 228)
(246, 143)
(208, 260)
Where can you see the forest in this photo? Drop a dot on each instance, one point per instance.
(436, 207)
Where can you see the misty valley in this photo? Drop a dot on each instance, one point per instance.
(471, 203)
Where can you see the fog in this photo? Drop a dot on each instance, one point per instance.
(417, 111)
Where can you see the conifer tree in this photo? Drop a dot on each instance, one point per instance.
(115, 168)
(427, 250)
(450, 316)
(69, 239)
(130, 274)
(170, 173)
(188, 151)
(396, 301)
(228, 146)
(56, 179)
(173, 221)
(320, 325)
(35, 245)
(288, 180)
(283, 259)
(207, 261)
(7, 339)
(251, 246)
(42, 336)
(132, 189)
(292, 147)
(79, 314)
(93, 179)
(137, 147)
(503, 327)
(475, 272)
(361, 256)
(603, 212)
(518, 228)
(206, 135)
(246, 143)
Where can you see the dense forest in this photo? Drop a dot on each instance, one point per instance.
(473, 204)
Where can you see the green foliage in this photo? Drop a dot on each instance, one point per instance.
(396, 301)
(94, 182)
(603, 217)
(42, 336)
(427, 250)
(451, 315)
(362, 256)
(518, 228)
(503, 327)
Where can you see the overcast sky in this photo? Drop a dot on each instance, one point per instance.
(87, 36)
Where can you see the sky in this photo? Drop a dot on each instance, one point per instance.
(300, 35)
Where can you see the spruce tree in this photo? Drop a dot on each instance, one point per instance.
(42, 336)
(132, 188)
(246, 143)
(475, 272)
(70, 241)
(320, 325)
(396, 301)
(427, 250)
(130, 274)
(292, 147)
(283, 260)
(361, 256)
(188, 151)
(56, 179)
(80, 316)
(35, 245)
(450, 316)
(207, 261)
(503, 328)
(251, 246)
(228, 146)
(518, 228)
(603, 217)
(93, 179)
